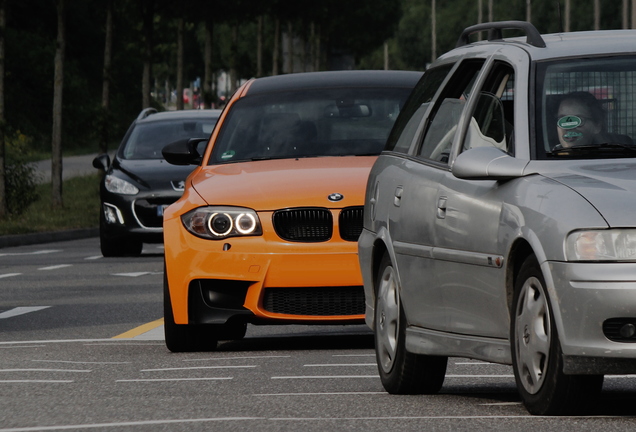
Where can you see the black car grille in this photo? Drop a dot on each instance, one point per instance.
(316, 224)
(315, 301)
(149, 211)
(350, 223)
(303, 224)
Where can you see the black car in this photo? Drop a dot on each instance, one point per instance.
(139, 184)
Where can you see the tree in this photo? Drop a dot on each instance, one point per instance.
(58, 86)
(108, 46)
(3, 188)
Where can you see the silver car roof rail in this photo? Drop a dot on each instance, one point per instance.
(494, 32)
(145, 113)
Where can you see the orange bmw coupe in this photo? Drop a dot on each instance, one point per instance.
(266, 231)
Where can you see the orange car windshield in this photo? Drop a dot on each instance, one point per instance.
(329, 122)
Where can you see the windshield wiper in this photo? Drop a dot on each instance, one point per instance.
(592, 148)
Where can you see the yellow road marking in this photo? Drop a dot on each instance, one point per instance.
(140, 330)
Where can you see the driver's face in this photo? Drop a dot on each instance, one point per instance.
(575, 124)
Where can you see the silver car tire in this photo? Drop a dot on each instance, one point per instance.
(401, 372)
(536, 352)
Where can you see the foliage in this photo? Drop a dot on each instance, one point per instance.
(81, 209)
(21, 180)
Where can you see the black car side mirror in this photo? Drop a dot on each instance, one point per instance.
(102, 162)
(183, 152)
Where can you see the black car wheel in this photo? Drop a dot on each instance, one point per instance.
(401, 372)
(184, 337)
(536, 352)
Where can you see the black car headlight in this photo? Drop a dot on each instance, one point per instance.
(218, 223)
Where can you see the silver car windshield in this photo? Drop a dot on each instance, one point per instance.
(329, 122)
(586, 108)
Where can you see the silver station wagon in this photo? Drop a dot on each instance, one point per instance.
(500, 220)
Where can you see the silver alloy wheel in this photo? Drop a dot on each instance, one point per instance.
(532, 335)
(387, 319)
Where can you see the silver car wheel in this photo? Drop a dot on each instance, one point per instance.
(532, 335)
(387, 319)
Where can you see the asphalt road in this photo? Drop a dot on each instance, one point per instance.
(81, 348)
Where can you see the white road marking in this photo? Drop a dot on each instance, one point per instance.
(55, 267)
(353, 355)
(40, 252)
(236, 358)
(325, 376)
(78, 362)
(320, 394)
(136, 274)
(93, 257)
(34, 381)
(45, 370)
(197, 367)
(175, 379)
(340, 364)
(6, 275)
(480, 376)
(21, 311)
(130, 423)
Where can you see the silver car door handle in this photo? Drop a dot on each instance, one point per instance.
(398, 196)
(441, 207)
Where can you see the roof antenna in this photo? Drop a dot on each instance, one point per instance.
(560, 16)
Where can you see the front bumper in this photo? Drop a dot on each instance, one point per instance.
(138, 216)
(585, 298)
(244, 277)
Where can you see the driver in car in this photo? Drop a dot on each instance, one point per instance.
(580, 120)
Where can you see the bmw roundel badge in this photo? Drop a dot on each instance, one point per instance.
(335, 197)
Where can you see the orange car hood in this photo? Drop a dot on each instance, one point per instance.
(275, 184)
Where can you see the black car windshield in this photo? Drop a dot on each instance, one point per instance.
(586, 108)
(327, 122)
(147, 139)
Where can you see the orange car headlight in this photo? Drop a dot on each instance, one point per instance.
(218, 223)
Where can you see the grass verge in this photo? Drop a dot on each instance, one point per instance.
(81, 209)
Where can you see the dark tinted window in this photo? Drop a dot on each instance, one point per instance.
(147, 139)
(407, 123)
(328, 122)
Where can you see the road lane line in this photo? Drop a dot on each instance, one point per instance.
(140, 330)
(21, 311)
(325, 376)
(34, 381)
(198, 367)
(40, 252)
(80, 362)
(55, 267)
(93, 257)
(45, 370)
(6, 275)
(238, 358)
(340, 364)
(175, 379)
(321, 394)
(129, 423)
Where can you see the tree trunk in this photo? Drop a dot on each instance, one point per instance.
(597, 15)
(180, 26)
(234, 58)
(276, 49)
(3, 184)
(259, 48)
(207, 60)
(148, 18)
(58, 86)
(318, 50)
(289, 60)
(108, 45)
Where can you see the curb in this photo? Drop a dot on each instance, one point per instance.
(47, 237)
